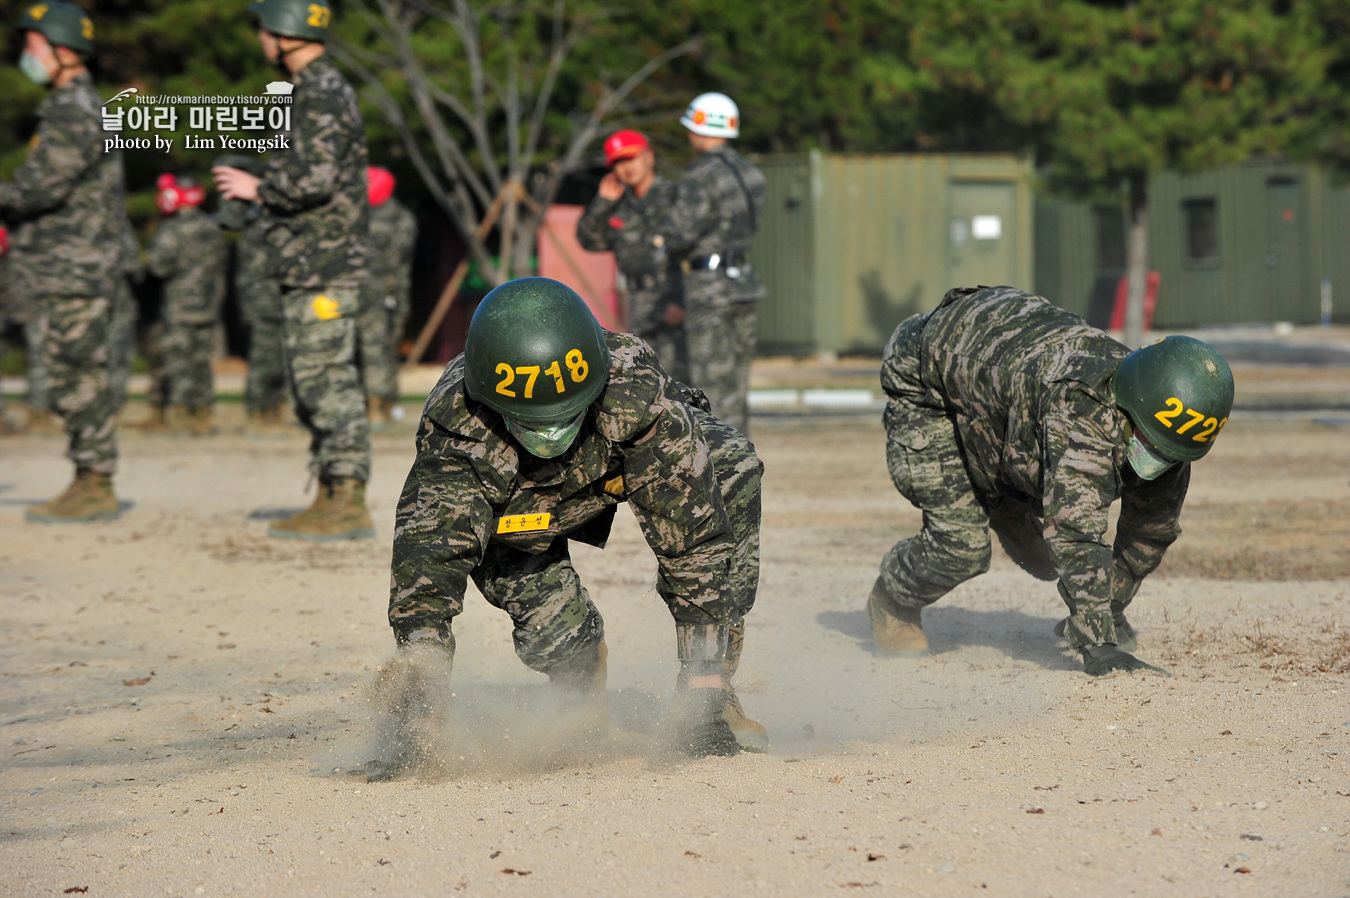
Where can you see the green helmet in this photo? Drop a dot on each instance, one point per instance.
(535, 354)
(1178, 392)
(62, 24)
(304, 19)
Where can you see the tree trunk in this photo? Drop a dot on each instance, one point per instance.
(1136, 270)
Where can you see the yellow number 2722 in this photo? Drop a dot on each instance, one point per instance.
(318, 16)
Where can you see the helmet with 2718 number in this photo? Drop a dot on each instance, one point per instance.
(1178, 393)
(304, 19)
(535, 354)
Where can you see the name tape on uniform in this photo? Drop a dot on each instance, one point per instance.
(523, 523)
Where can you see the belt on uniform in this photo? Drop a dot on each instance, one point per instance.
(732, 262)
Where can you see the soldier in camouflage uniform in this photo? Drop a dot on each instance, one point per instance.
(122, 333)
(718, 207)
(631, 199)
(316, 193)
(530, 440)
(190, 254)
(1005, 411)
(384, 296)
(68, 195)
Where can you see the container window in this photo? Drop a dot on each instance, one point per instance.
(1202, 230)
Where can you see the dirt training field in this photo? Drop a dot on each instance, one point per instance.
(184, 698)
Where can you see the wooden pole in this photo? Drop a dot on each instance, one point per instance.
(447, 297)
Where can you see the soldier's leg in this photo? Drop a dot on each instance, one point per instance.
(739, 472)
(320, 356)
(156, 360)
(379, 371)
(188, 349)
(671, 348)
(558, 630)
(266, 386)
(721, 343)
(75, 351)
(122, 341)
(39, 394)
(1021, 533)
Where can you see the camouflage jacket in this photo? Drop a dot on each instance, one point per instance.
(317, 189)
(1028, 387)
(641, 443)
(67, 200)
(190, 253)
(625, 227)
(719, 205)
(393, 235)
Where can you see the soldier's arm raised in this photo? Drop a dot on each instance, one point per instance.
(593, 230)
(63, 149)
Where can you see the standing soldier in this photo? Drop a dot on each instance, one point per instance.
(718, 207)
(122, 336)
(69, 196)
(631, 200)
(530, 440)
(259, 291)
(317, 194)
(190, 253)
(1007, 412)
(384, 297)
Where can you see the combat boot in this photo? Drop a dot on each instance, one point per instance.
(380, 412)
(43, 423)
(582, 684)
(88, 498)
(201, 421)
(178, 420)
(749, 733)
(897, 628)
(344, 516)
(266, 422)
(1127, 640)
(288, 528)
(155, 422)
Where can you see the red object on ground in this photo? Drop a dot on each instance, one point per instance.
(1150, 301)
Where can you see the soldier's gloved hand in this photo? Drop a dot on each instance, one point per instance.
(1102, 659)
(703, 731)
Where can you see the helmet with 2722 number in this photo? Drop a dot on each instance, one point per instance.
(307, 20)
(1178, 393)
(535, 354)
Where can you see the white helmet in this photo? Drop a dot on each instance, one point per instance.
(712, 115)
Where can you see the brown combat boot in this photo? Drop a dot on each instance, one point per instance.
(201, 421)
(88, 498)
(288, 528)
(750, 733)
(344, 516)
(43, 423)
(267, 422)
(897, 628)
(380, 412)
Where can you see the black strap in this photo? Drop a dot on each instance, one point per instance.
(749, 201)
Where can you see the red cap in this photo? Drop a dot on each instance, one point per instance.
(171, 196)
(4, 240)
(623, 145)
(379, 184)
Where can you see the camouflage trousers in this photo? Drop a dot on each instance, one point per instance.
(121, 341)
(379, 327)
(320, 332)
(187, 348)
(75, 355)
(265, 385)
(39, 393)
(721, 340)
(924, 457)
(671, 348)
(556, 623)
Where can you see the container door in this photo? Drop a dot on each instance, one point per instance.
(1284, 254)
(981, 244)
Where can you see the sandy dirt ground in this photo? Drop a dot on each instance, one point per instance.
(183, 701)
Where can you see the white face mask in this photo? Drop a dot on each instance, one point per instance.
(34, 69)
(1146, 462)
